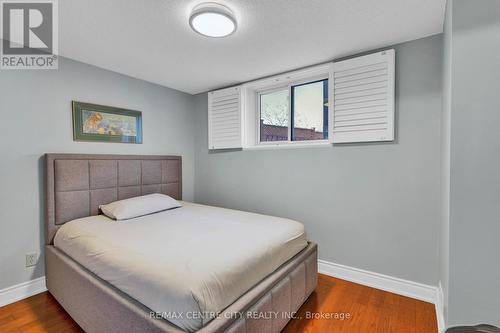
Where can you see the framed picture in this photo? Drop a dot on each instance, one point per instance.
(93, 122)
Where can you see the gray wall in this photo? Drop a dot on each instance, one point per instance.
(36, 118)
(370, 206)
(474, 294)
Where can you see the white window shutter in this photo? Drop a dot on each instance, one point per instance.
(362, 92)
(225, 119)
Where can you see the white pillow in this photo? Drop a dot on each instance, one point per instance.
(139, 206)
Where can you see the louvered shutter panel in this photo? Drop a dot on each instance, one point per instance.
(225, 118)
(363, 98)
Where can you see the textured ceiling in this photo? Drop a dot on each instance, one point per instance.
(152, 40)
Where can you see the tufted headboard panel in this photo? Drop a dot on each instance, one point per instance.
(76, 184)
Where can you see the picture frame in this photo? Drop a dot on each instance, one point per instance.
(100, 123)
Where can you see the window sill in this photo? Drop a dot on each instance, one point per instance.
(268, 146)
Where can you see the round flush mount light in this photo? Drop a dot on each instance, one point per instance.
(212, 20)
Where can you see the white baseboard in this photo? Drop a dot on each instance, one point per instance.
(394, 285)
(391, 284)
(440, 308)
(22, 290)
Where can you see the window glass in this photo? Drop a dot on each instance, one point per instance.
(274, 122)
(310, 111)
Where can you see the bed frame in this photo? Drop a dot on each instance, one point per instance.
(76, 184)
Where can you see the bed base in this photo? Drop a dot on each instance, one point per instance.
(97, 306)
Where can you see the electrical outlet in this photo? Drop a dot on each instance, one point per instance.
(31, 259)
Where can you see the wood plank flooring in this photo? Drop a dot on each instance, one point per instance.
(370, 311)
(335, 306)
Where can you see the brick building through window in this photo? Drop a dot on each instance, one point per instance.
(280, 133)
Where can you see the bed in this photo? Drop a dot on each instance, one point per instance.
(206, 275)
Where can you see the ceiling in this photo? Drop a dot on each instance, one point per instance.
(152, 40)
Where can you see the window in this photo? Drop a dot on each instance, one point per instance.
(310, 111)
(298, 112)
(274, 119)
(294, 109)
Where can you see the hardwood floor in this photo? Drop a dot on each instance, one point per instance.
(363, 309)
(39, 313)
(370, 310)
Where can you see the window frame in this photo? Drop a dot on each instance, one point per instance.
(292, 109)
(289, 88)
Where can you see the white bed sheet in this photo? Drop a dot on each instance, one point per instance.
(187, 263)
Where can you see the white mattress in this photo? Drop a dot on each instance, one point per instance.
(187, 263)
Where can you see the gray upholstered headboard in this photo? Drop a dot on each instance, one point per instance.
(76, 184)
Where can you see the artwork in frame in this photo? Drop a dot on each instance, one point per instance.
(92, 122)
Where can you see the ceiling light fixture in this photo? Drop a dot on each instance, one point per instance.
(212, 20)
